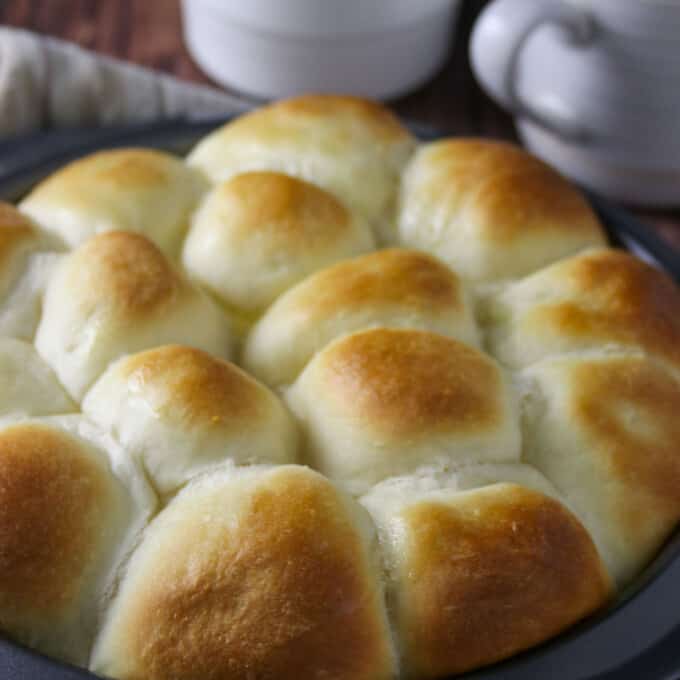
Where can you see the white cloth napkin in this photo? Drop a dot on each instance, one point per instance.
(47, 83)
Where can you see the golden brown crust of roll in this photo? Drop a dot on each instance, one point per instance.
(132, 168)
(606, 297)
(130, 189)
(274, 119)
(260, 233)
(195, 387)
(386, 402)
(289, 210)
(490, 573)
(514, 192)
(408, 278)
(277, 586)
(53, 499)
(125, 269)
(117, 294)
(182, 412)
(605, 431)
(71, 507)
(407, 382)
(491, 210)
(15, 231)
(630, 407)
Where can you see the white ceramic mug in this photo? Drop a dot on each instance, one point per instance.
(275, 48)
(595, 85)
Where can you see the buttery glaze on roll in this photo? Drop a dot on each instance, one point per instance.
(26, 258)
(259, 233)
(118, 294)
(71, 507)
(384, 402)
(262, 573)
(602, 298)
(353, 148)
(140, 190)
(477, 576)
(490, 210)
(181, 411)
(605, 430)
(393, 288)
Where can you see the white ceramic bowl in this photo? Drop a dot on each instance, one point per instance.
(277, 48)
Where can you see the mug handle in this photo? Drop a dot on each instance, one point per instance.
(499, 35)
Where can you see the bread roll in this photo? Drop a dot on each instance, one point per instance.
(479, 575)
(117, 294)
(261, 573)
(605, 431)
(71, 505)
(182, 411)
(27, 384)
(26, 257)
(261, 232)
(384, 402)
(139, 190)
(351, 147)
(396, 288)
(490, 210)
(602, 298)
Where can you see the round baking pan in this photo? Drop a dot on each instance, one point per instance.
(636, 638)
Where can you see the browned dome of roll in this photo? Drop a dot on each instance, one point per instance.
(403, 381)
(480, 575)
(127, 269)
(605, 430)
(280, 583)
(491, 210)
(65, 521)
(44, 553)
(182, 411)
(259, 233)
(135, 189)
(602, 297)
(117, 294)
(383, 402)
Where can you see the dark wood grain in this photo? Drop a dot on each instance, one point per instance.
(148, 32)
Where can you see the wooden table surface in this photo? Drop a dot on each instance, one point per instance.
(148, 32)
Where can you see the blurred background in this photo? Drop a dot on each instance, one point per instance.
(149, 33)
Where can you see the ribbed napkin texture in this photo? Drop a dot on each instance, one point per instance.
(47, 83)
